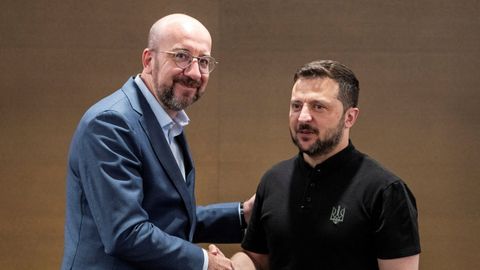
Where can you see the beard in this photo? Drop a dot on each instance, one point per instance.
(321, 146)
(170, 101)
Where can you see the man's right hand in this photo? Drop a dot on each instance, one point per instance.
(218, 261)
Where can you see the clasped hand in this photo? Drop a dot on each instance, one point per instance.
(217, 260)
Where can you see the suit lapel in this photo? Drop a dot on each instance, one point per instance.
(160, 146)
(187, 158)
(189, 175)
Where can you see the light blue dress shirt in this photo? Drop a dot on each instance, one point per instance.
(171, 128)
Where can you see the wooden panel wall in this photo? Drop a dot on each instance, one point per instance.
(417, 62)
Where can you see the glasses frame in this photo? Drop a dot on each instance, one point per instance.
(211, 66)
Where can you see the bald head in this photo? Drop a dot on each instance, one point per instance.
(174, 25)
(176, 85)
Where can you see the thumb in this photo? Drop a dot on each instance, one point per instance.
(214, 250)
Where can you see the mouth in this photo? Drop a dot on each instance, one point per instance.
(187, 82)
(306, 130)
(306, 133)
(305, 136)
(187, 89)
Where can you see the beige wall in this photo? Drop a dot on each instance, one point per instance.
(417, 61)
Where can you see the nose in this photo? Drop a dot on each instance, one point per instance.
(193, 70)
(305, 115)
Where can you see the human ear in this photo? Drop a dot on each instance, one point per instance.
(147, 57)
(351, 116)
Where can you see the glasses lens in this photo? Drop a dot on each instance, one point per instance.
(206, 64)
(183, 59)
(203, 62)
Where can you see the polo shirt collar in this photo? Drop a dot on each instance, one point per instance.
(332, 162)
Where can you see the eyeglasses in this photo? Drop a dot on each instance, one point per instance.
(184, 59)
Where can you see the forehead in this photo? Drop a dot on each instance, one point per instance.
(187, 36)
(312, 88)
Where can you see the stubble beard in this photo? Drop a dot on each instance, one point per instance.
(168, 99)
(320, 147)
(167, 96)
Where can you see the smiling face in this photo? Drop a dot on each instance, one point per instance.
(318, 124)
(174, 87)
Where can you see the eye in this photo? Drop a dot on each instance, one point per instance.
(296, 106)
(204, 61)
(318, 107)
(182, 57)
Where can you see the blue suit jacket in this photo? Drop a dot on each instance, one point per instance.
(128, 206)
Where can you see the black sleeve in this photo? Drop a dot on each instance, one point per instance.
(255, 238)
(396, 233)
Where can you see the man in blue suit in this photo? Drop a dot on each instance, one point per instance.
(130, 182)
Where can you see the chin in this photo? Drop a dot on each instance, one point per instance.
(304, 147)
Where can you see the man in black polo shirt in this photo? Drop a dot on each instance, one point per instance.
(331, 206)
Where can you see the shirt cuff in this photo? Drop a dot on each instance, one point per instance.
(205, 260)
(241, 216)
(240, 213)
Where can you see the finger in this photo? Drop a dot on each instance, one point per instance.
(213, 249)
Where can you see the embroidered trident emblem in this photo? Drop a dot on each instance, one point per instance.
(337, 214)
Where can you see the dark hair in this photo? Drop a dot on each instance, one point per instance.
(348, 84)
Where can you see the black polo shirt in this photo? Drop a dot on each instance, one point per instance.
(343, 214)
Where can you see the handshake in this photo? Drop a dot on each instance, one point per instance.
(217, 260)
(240, 260)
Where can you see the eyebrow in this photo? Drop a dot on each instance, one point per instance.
(310, 102)
(187, 50)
